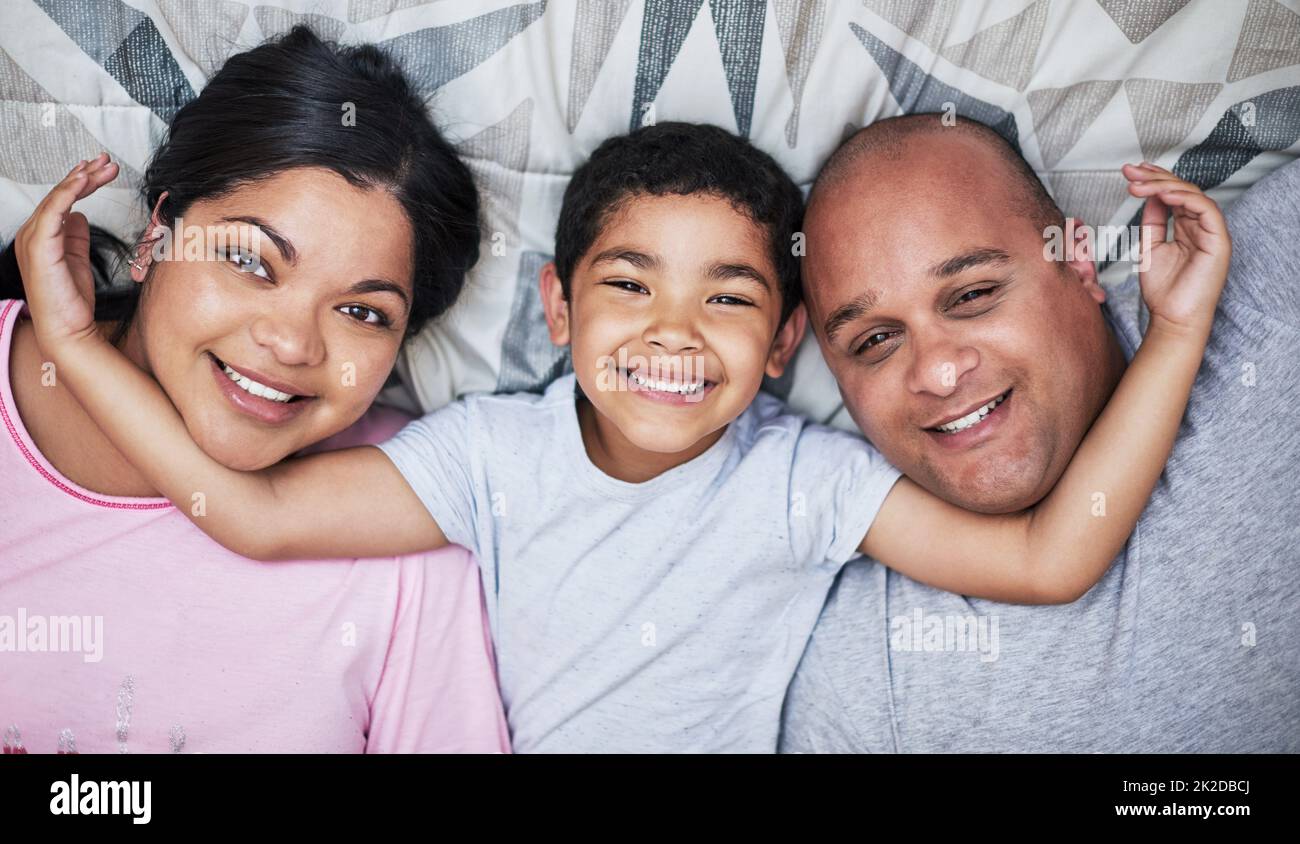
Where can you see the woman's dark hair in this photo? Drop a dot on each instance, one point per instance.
(282, 105)
(682, 159)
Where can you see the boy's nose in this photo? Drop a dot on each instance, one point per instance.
(673, 335)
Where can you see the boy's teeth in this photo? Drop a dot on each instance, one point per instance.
(665, 386)
(974, 417)
(251, 386)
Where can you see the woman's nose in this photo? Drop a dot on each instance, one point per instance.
(295, 341)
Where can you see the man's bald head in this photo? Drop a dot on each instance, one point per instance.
(884, 143)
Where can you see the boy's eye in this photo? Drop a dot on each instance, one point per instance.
(246, 261)
(730, 300)
(361, 313)
(625, 284)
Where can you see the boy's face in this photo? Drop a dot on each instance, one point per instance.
(673, 319)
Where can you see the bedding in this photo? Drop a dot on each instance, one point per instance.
(1208, 88)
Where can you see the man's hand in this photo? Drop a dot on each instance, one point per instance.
(53, 251)
(1185, 275)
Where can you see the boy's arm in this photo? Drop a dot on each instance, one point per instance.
(349, 503)
(1055, 552)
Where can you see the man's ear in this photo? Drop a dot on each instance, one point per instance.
(788, 337)
(144, 249)
(1084, 253)
(554, 305)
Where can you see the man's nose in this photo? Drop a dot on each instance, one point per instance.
(938, 365)
(295, 339)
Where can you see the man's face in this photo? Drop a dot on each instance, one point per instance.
(972, 362)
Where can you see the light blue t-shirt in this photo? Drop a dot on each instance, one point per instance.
(665, 616)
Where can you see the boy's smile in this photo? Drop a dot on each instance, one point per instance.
(674, 318)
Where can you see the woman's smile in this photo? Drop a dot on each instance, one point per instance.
(273, 403)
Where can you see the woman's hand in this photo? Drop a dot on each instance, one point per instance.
(1184, 277)
(53, 250)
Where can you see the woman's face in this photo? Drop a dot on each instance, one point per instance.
(321, 319)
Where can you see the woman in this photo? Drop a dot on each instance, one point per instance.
(121, 626)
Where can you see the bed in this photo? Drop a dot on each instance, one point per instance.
(1208, 88)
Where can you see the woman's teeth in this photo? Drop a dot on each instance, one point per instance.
(975, 417)
(251, 386)
(665, 386)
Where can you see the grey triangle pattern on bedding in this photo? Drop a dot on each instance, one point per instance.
(527, 106)
(800, 24)
(127, 44)
(529, 360)
(1137, 20)
(1268, 122)
(918, 92)
(436, 55)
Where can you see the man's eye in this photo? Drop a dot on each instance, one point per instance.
(972, 295)
(871, 341)
(246, 261)
(361, 313)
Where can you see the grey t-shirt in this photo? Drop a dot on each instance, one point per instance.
(665, 616)
(1188, 643)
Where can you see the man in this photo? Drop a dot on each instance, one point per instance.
(932, 296)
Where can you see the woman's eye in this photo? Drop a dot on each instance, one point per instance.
(361, 313)
(246, 261)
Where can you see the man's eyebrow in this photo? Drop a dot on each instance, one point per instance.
(846, 313)
(728, 271)
(967, 260)
(281, 242)
(381, 285)
(638, 259)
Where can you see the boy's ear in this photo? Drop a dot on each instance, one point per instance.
(553, 304)
(788, 337)
(1083, 260)
(144, 249)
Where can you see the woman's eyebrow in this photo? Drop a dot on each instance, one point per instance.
(381, 285)
(281, 242)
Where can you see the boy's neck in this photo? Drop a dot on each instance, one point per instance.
(620, 458)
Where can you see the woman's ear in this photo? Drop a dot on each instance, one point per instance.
(788, 337)
(144, 250)
(554, 305)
